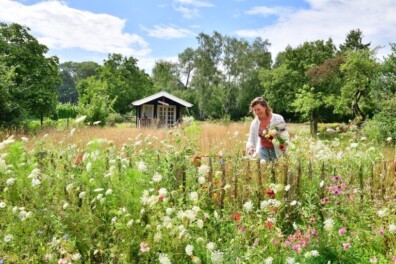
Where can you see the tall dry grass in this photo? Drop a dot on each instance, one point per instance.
(209, 138)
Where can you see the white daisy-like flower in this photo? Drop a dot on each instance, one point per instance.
(248, 206)
(35, 182)
(290, 260)
(10, 181)
(211, 246)
(65, 205)
(382, 213)
(109, 191)
(157, 177)
(217, 257)
(354, 145)
(189, 250)
(389, 139)
(2, 205)
(193, 196)
(141, 166)
(392, 228)
(203, 170)
(82, 195)
(164, 259)
(8, 238)
(314, 253)
(328, 224)
(268, 260)
(201, 180)
(287, 187)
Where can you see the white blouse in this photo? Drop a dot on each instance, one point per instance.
(277, 123)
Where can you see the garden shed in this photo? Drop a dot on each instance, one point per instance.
(160, 110)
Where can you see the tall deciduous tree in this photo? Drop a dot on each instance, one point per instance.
(72, 73)
(36, 76)
(126, 82)
(360, 69)
(186, 65)
(166, 76)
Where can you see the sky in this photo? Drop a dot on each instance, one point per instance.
(154, 30)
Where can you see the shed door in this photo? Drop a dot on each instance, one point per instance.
(167, 114)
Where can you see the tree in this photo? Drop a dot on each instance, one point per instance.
(36, 76)
(354, 42)
(72, 73)
(360, 69)
(186, 64)
(94, 103)
(126, 82)
(166, 76)
(287, 83)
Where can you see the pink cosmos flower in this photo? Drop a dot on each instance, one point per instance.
(342, 231)
(144, 247)
(346, 246)
(312, 220)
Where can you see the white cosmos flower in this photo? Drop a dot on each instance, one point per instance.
(82, 195)
(35, 182)
(382, 213)
(157, 177)
(211, 246)
(328, 224)
(200, 223)
(290, 260)
(203, 170)
(2, 205)
(10, 181)
(217, 257)
(248, 206)
(193, 196)
(189, 250)
(287, 187)
(392, 228)
(8, 238)
(389, 139)
(354, 145)
(109, 191)
(141, 166)
(268, 260)
(201, 180)
(65, 205)
(164, 259)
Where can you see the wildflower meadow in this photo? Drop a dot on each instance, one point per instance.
(184, 195)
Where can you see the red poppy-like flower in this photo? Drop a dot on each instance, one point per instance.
(270, 193)
(269, 224)
(273, 209)
(236, 217)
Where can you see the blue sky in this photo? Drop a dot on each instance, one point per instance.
(151, 30)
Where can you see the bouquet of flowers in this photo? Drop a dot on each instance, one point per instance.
(273, 134)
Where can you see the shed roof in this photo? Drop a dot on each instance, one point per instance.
(159, 95)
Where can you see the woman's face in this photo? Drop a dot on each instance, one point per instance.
(260, 111)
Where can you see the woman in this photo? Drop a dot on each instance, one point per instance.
(268, 132)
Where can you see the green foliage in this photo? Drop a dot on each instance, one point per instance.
(125, 82)
(383, 124)
(95, 103)
(64, 111)
(36, 76)
(114, 118)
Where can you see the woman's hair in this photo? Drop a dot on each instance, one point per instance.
(261, 101)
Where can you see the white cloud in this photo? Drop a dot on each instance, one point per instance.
(168, 32)
(190, 13)
(194, 3)
(58, 26)
(325, 19)
(267, 11)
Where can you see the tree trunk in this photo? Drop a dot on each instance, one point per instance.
(41, 119)
(313, 124)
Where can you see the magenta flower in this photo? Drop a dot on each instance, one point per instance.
(346, 246)
(342, 231)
